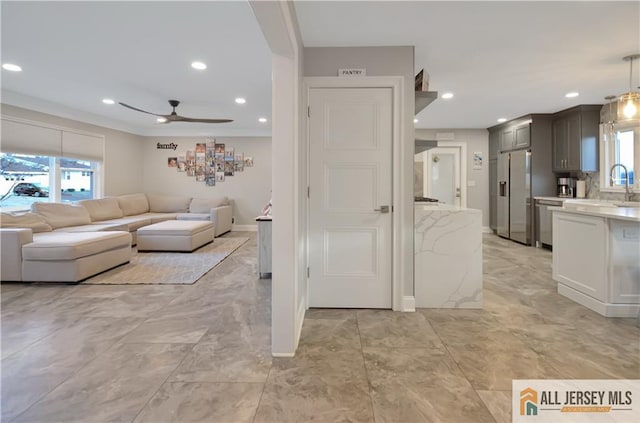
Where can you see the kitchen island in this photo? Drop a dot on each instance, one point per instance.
(448, 256)
(596, 256)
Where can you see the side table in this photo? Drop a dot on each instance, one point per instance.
(264, 246)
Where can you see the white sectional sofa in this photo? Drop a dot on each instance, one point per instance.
(65, 242)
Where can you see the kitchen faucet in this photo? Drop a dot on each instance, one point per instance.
(627, 193)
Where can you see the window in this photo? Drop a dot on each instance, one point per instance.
(619, 145)
(25, 179)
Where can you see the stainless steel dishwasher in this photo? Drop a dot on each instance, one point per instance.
(544, 221)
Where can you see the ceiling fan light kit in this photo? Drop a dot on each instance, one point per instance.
(175, 117)
(629, 103)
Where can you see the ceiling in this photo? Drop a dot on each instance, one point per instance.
(74, 54)
(500, 59)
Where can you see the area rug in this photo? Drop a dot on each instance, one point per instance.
(169, 268)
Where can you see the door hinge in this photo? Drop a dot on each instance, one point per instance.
(308, 272)
(308, 192)
(308, 111)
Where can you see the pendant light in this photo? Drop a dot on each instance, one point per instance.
(629, 103)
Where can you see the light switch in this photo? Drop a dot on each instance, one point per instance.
(471, 183)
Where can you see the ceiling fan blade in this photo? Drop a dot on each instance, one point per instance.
(197, 120)
(140, 110)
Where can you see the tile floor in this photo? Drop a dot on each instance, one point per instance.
(202, 352)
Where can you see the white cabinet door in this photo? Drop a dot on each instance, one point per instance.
(580, 251)
(625, 262)
(350, 133)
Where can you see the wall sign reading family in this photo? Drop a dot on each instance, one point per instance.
(210, 162)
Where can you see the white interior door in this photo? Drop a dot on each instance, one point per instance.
(350, 137)
(442, 175)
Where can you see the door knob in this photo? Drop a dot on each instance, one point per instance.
(382, 209)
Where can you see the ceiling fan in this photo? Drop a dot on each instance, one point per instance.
(174, 117)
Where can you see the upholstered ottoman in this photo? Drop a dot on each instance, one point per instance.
(175, 235)
(73, 256)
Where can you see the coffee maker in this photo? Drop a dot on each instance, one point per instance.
(566, 187)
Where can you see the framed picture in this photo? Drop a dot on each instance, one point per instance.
(172, 162)
(248, 161)
(477, 160)
(228, 169)
(219, 176)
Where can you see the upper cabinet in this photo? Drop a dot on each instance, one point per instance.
(575, 139)
(512, 135)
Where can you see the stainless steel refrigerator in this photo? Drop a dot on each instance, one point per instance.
(514, 196)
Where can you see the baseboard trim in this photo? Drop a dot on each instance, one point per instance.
(286, 355)
(249, 228)
(408, 303)
(604, 309)
(302, 309)
(487, 230)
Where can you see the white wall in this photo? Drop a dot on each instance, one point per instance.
(248, 190)
(122, 167)
(476, 140)
(280, 28)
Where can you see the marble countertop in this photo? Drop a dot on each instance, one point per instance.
(443, 207)
(622, 213)
(553, 198)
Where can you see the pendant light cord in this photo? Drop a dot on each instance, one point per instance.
(630, 75)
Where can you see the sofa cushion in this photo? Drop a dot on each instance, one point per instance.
(59, 215)
(194, 216)
(133, 204)
(73, 245)
(131, 222)
(102, 208)
(168, 203)
(204, 205)
(31, 221)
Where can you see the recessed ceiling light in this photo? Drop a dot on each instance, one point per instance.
(11, 67)
(502, 120)
(161, 120)
(108, 101)
(447, 96)
(198, 65)
(572, 94)
(240, 100)
(262, 120)
(415, 120)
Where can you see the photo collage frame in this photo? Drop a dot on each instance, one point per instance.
(210, 162)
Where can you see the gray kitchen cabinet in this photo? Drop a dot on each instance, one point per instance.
(507, 138)
(493, 194)
(522, 135)
(494, 144)
(575, 139)
(512, 136)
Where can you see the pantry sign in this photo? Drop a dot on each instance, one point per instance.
(566, 400)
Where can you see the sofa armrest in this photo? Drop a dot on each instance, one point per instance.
(11, 242)
(222, 217)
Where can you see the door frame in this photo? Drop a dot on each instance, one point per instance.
(463, 167)
(427, 167)
(398, 247)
